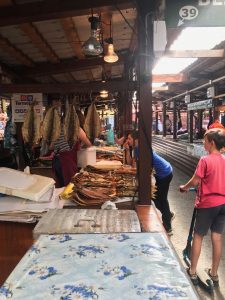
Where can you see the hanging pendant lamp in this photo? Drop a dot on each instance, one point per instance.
(110, 56)
(92, 46)
(104, 94)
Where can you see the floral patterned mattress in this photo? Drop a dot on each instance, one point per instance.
(134, 266)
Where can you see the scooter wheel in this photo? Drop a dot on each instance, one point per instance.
(210, 285)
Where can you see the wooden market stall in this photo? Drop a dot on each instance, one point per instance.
(72, 73)
(47, 50)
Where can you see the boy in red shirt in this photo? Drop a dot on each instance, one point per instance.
(210, 202)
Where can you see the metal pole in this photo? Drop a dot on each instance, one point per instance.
(196, 89)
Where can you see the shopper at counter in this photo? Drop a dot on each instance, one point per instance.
(168, 124)
(10, 141)
(216, 124)
(163, 173)
(110, 140)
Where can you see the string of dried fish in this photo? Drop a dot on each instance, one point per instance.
(71, 125)
(92, 124)
(51, 126)
(31, 126)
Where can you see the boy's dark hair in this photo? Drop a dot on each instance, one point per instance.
(216, 135)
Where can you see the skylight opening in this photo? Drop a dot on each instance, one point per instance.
(192, 38)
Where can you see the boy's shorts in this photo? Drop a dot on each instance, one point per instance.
(212, 218)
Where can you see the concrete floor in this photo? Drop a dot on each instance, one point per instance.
(182, 205)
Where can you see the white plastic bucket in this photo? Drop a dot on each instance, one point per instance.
(86, 157)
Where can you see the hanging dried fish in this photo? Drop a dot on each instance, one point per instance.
(51, 126)
(81, 118)
(71, 125)
(92, 124)
(31, 126)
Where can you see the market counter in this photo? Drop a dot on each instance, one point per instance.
(99, 266)
(17, 238)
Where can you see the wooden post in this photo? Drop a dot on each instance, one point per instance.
(164, 119)
(174, 120)
(190, 125)
(200, 118)
(127, 102)
(145, 38)
(121, 114)
(156, 122)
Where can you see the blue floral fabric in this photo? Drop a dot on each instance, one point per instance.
(135, 266)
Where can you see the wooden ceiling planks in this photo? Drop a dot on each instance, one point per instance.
(37, 39)
(50, 44)
(72, 37)
(55, 9)
(75, 42)
(16, 53)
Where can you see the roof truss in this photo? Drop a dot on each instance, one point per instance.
(55, 9)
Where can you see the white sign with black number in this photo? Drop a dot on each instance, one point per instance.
(20, 103)
(195, 13)
(187, 12)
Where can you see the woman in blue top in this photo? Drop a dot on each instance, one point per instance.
(163, 176)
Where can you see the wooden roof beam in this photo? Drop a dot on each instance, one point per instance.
(181, 77)
(64, 67)
(192, 53)
(72, 37)
(74, 41)
(38, 40)
(55, 9)
(6, 3)
(111, 86)
(14, 52)
(134, 39)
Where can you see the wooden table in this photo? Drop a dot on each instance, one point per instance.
(15, 240)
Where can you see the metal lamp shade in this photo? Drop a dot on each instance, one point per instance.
(92, 46)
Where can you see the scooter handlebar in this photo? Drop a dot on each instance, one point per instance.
(192, 189)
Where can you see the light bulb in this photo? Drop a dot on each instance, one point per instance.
(92, 46)
(104, 94)
(111, 56)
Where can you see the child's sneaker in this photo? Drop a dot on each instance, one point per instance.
(215, 279)
(169, 232)
(193, 277)
(172, 215)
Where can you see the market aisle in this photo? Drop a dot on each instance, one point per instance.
(182, 205)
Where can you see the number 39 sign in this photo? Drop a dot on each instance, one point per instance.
(199, 13)
(188, 12)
